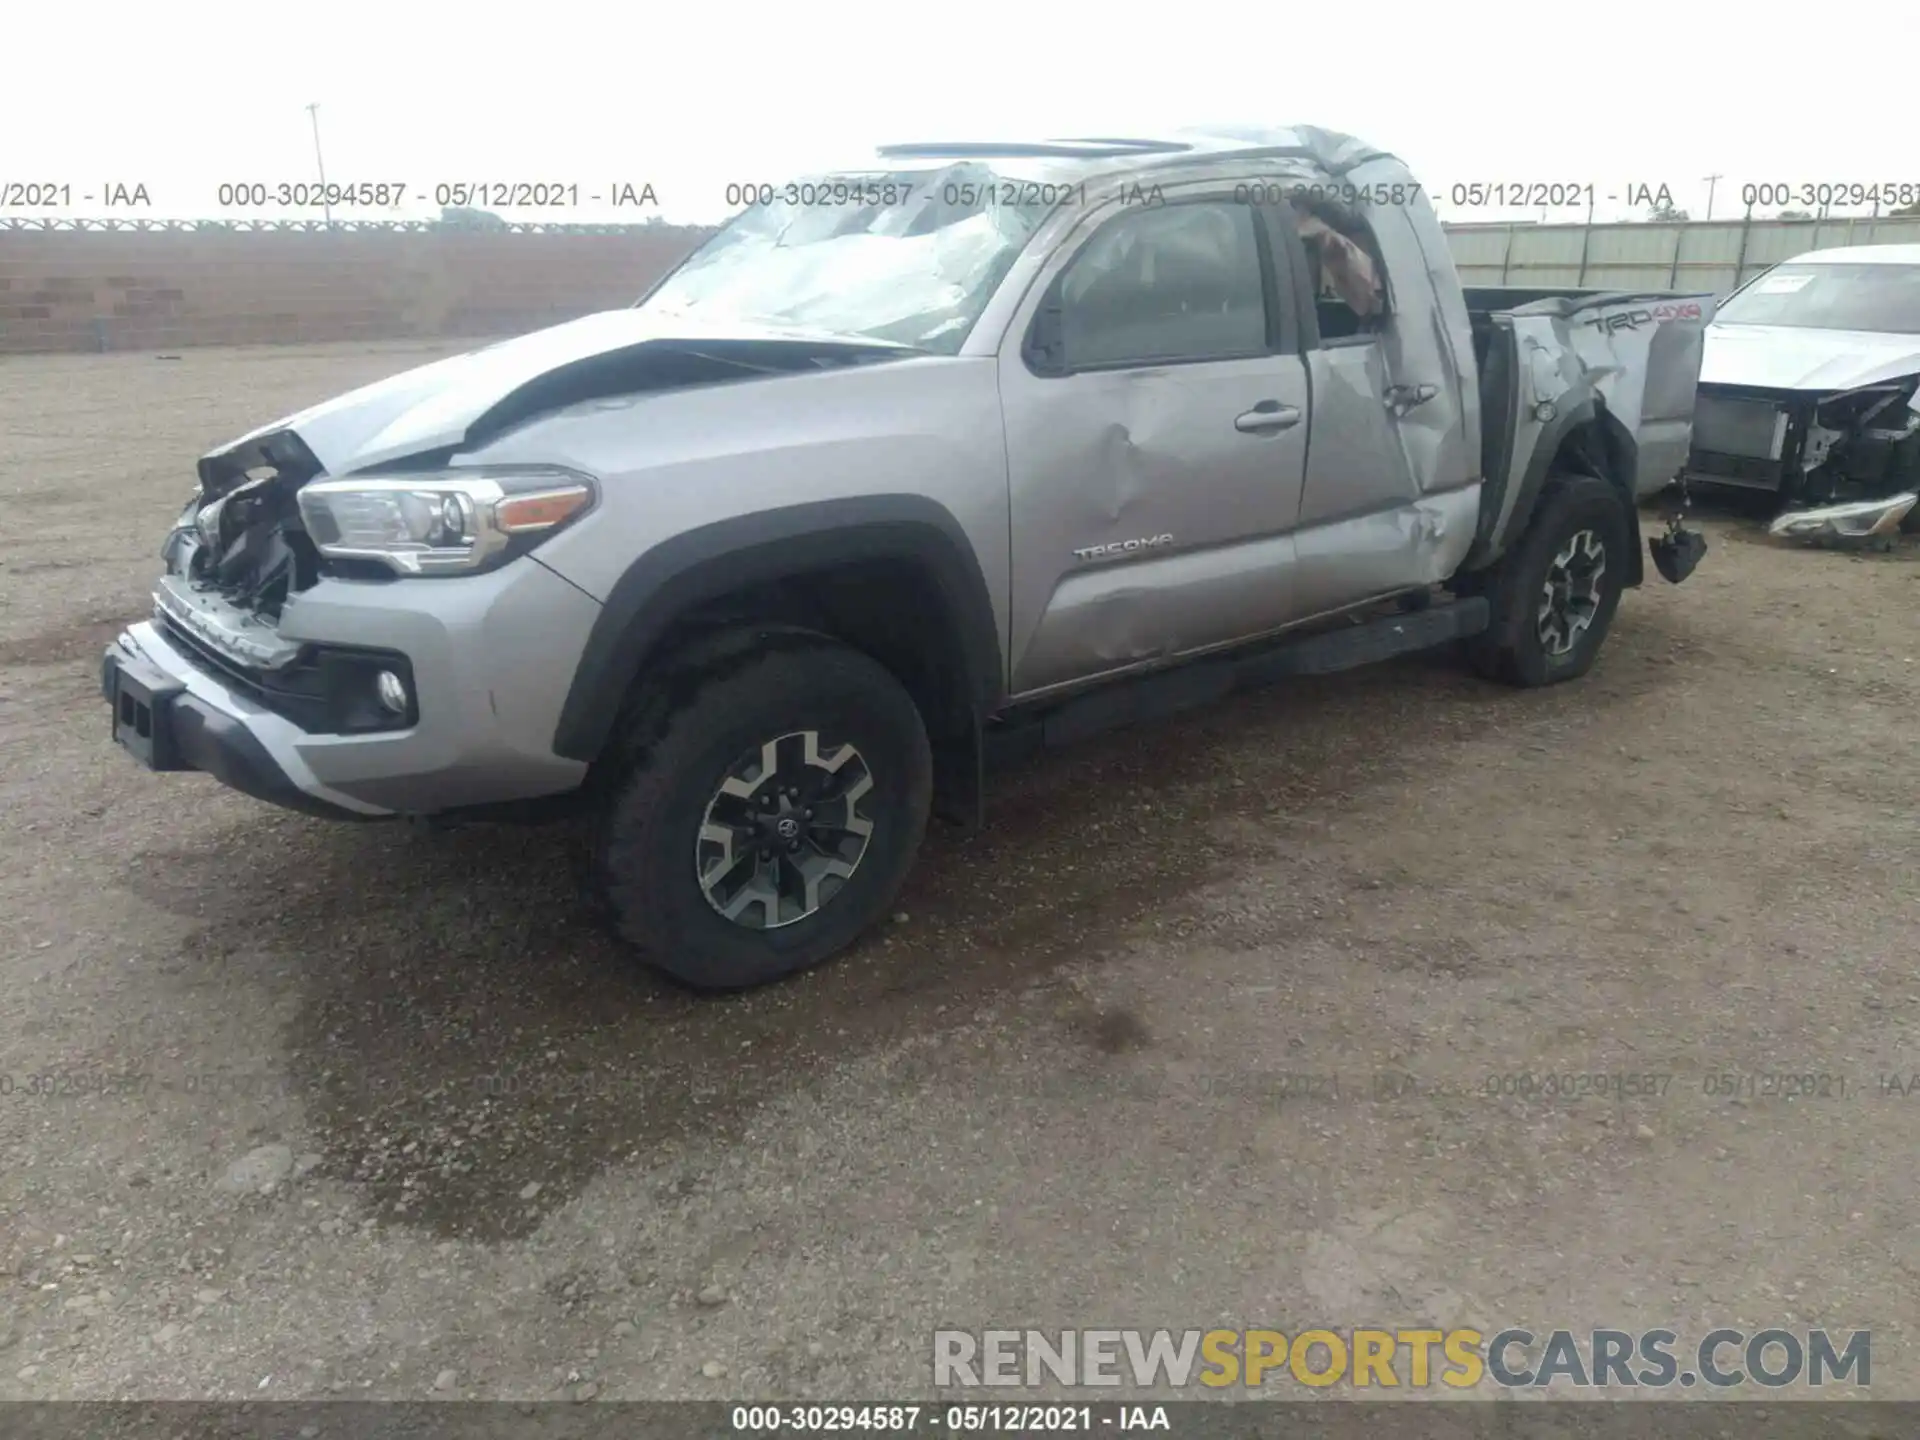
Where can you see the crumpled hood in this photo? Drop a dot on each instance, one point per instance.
(1789, 357)
(433, 405)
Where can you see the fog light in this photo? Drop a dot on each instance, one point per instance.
(392, 691)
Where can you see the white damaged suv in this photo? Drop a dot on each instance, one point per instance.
(1810, 390)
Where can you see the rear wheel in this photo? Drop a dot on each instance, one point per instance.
(1554, 596)
(772, 820)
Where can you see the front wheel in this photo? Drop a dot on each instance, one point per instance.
(771, 820)
(1554, 595)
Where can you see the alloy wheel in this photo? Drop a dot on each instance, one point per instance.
(1570, 597)
(785, 831)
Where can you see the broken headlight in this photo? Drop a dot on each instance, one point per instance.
(1860, 520)
(445, 521)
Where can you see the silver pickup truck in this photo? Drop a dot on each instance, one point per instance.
(982, 447)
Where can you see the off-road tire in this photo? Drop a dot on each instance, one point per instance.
(645, 873)
(1512, 649)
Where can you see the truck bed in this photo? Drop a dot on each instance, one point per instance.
(1643, 348)
(1486, 301)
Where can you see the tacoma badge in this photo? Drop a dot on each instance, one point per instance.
(1122, 547)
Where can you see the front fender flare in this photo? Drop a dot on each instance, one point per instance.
(703, 564)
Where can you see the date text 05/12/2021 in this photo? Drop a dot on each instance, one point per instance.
(458, 194)
(1012, 1419)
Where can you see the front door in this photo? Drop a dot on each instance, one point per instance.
(1156, 450)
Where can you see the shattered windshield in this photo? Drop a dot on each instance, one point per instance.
(1831, 297)
(908, 257)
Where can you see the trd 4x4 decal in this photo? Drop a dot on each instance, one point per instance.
(1654, 315)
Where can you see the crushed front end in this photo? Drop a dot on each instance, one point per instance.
(333, 685)
(1812, 449)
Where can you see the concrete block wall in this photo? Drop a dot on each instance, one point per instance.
(161, 289)
(155, 290)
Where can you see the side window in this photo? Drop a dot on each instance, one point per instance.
(1344, 271)
(1180, 282)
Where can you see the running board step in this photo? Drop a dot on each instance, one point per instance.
(1382, 639)
(1186, 687)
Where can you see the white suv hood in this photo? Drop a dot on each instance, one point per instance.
(1790, 357)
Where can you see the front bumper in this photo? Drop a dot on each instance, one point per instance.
(492, 657)
(182, 730)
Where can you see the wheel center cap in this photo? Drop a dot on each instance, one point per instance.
(787, 828)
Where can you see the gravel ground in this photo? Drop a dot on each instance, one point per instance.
(412, 1127)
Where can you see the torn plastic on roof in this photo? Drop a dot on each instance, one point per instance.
(1328, 150)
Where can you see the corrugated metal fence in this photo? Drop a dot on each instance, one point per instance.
(1685, 255)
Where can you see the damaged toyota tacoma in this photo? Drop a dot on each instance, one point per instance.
(1807, 393)
(905, 470)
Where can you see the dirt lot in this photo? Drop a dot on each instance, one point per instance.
(1050, 1095)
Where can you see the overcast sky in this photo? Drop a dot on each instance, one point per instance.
(184, 96)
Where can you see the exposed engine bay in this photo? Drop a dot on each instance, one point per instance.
(247, 546)
(238, 551)
(241, 549)
(1808, 392)
(1809, 448)
(1865, 440)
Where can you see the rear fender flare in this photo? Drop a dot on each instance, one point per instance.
(1618, 465)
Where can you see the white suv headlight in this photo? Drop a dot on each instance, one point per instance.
(442, 521)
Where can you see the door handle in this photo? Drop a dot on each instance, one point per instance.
(1266, 418)
(1402, 398)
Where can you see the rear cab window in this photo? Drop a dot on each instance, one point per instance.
(1345, 272)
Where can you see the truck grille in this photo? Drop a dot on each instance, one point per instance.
(221, 666)
(327, 691)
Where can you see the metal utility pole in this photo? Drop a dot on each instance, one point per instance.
(1586, 240)
(1712, 180)
(313, 113)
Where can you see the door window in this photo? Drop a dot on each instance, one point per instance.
(1172, 283)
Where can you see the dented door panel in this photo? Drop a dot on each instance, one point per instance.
(1427, 339)
(1111, 618)
(1393, 428)
(1367, 525)
(1150, 460)
(1400, 548)
(1356, 464)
